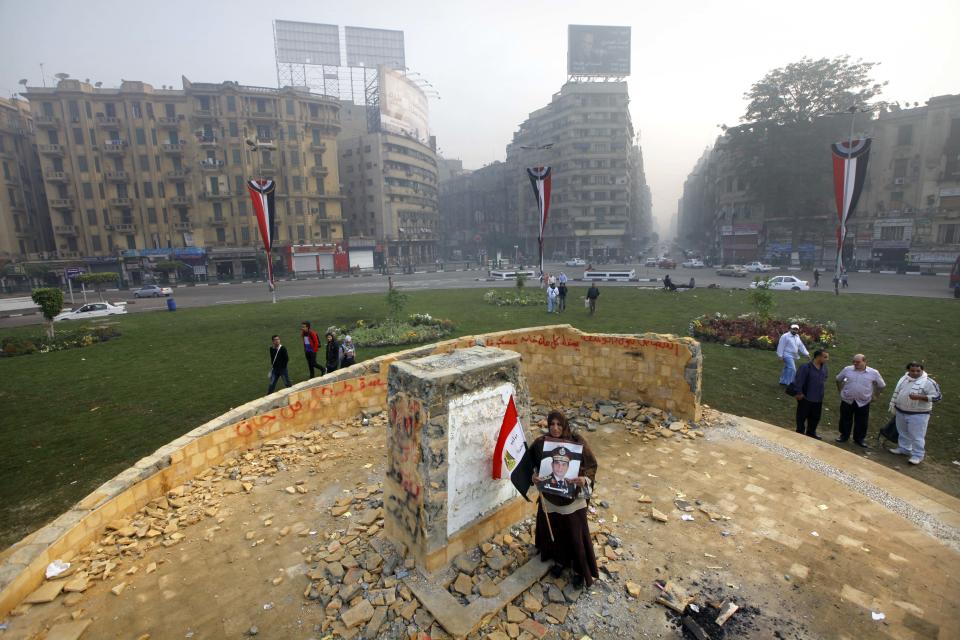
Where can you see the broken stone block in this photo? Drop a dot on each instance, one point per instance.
(463, 584)
(659, 516)
(358, 614)
(47, 592)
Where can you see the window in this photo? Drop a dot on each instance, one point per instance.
(891, 233)
(234, 129)
(905, 134)
(239, 184)
(160, 190)
(131, 242)
(95, 243)
(150, 110)
(896, 197)
(87, 190)
(77, 136)
(144, 163)
(948, 234)
(151, 215)
(299, 207)
(82, 164)
(135, 108)
(96, 163)
(297, 183)
(301, 233)
(141, 135)
(221, 234)
(73, 108)
(290, 111)
(231, 103)
(92, 217)
(900, 168)
(237, 158)
(291, 132)
(169, 110)
(217, 211)
(147, 189)
(295, 158)
(245, 235)
(111, 110)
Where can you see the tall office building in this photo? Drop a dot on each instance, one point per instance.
(24, 223)
(136, 172)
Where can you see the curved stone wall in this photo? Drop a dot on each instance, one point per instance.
(558, 362)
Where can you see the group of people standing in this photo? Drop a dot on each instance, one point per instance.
(557, 294)
(337, 355)
(859, 386)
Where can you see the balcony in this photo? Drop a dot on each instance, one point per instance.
(177, 175)
(51, 149)
(117, 176)
(172, 147)
(264, 116)
(215, 195)
(207, 142)
(124, 227)
(14, 181)
(57, 176)
(47, 122)
(65, 229)
(211, 165)
(121, 202)
(168, 123)
(182, 226)
(108, 121)
(115, 147)
(319, 147)
(179, 201)
(267, 170)
(319, 171)
(60, 203)
(203, 113)
(218, 222)
(324, 121)
(69, 254)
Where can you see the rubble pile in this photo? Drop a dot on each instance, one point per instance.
(636, 418)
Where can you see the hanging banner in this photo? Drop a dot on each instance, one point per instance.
(510, 458)
(541, 180)
(261, 192)
(849, 173)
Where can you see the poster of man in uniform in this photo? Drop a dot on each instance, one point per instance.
(598, 51)
(560, 464)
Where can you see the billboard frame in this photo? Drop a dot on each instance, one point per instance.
(602, 52)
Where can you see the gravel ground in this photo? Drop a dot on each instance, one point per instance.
(946, 534)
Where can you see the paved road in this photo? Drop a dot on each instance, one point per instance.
(200, 296)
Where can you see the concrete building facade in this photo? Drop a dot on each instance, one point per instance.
(137, 171)
(25, 231)
(476, 212)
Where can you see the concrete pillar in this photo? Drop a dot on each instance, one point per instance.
(445, 414)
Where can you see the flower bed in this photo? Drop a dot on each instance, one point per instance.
(416, 329)
(746, 331)
(514, 297)
(63, 340)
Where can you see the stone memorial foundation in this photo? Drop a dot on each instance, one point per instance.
(445, 413)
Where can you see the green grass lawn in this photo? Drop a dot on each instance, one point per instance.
(73, 419)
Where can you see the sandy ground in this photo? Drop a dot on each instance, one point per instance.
(803, 555)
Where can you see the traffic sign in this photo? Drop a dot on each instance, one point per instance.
(73, 272)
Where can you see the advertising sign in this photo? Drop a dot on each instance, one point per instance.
(598, 51)
(373, 47)
(403, 106)
(307, 43)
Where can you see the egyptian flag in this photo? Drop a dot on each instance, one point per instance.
(510, 457)
(540, 179)
(849, 173)
(261, 192)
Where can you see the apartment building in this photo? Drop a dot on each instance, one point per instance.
(25, 231)
(390, 190)
(476, 215)
(598, 206)
(137, 172)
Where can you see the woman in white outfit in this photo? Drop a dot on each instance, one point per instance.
(912, 402)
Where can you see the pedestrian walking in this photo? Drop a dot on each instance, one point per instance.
(592, 294)
(562, 295)
(789, 347)
(562, 278)
(552, 295)
(810, 385)
(843, 279)
(912, 401)
(332, 352)
(836, 283)
(311, 345)
(279, 359)
(349, 353)
(816, 277)
(859, 385)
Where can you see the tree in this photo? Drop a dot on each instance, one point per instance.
(50, 301)
(97, 279)
(803, 91)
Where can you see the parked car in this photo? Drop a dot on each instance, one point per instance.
(152, 291)
(576, 262)
(734, 271)
(758, 267)
(782, 283)
(650, 262)
(693, 263)
(92, 310)
(667, 263)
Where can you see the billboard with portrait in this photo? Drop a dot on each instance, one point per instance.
(372, 47)
(598, 51)
(306, 43)
(403, 106)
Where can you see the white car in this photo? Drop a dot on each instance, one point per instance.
(650, 262)
(758, 267)
(693, 264)
(152, 291)
(782, 283)
(576, 262)
(92, 310)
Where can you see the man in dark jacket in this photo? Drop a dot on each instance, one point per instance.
(810, 385)
(278, 364)
(311, 345)
(333, 353)
(592, 294)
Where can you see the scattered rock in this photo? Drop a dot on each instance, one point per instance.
(358, 614)
(463, 584)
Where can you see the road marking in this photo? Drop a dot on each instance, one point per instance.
(303, 295)
(228, 301)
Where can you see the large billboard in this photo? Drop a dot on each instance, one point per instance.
(403, 106)
(374, 47)
(307, 43)
(598, 51)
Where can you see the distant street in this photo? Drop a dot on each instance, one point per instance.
(201, 296)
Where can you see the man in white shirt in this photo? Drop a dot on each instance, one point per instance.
(859, 385)
(788, 349)
(912, 401)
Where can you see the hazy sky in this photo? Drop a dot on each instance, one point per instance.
(494, 62)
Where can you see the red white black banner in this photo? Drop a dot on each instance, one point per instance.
(510, 459)
(849, 173)
(541, 181)
(261, 192)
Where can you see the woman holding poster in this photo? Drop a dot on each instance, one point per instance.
(564, 472)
